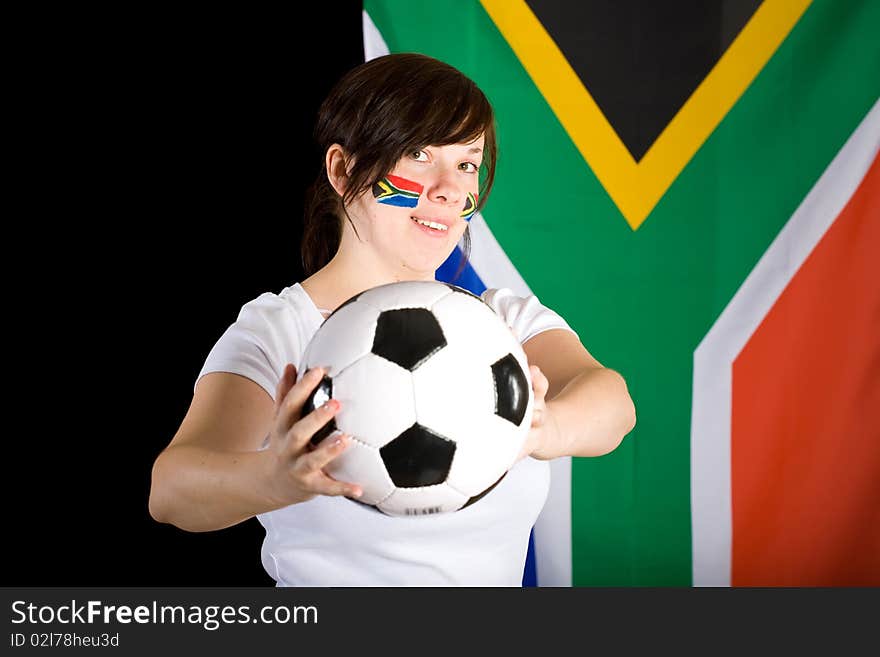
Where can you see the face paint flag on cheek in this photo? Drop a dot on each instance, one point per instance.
(397, 191)
(470, 206)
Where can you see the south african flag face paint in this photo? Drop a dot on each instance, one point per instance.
(470, 206)
(397, 191)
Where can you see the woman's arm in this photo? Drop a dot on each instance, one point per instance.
(588, 408)
(210, 476)
(214, 474)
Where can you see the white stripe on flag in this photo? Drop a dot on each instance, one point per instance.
(713, 358)
(374, 44)
(488, 256)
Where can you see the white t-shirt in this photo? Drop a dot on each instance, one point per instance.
(332, 541)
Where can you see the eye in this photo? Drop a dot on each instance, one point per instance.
(419, 155)
(468, 167)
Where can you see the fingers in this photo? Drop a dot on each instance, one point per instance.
(330, 486)
(537, 417)
(307, 467)
(288, 378)
(540, 384)
(303, 429)
(291, 405)
(329, 449)
(313, 463)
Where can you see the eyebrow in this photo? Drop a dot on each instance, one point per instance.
(475, 150)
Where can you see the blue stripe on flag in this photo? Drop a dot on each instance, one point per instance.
(530, 573)
(469, 280)
(400, 201)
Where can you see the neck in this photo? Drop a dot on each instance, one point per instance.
(352, 271)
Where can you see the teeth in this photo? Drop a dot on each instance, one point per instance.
(430, 224)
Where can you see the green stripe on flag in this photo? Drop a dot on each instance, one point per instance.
(642, 301)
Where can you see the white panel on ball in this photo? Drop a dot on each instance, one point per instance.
(376, 399)
(423, 501)
(478, 464)
(468, 392)
(485, 333)
(335, 346)
(361, 464)
(406, 294)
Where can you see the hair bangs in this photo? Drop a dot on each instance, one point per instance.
(453, 118)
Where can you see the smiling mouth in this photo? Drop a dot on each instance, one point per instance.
(431, 224)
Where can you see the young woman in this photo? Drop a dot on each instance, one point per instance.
(409, 156)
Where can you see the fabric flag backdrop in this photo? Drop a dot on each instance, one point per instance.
(695, 188)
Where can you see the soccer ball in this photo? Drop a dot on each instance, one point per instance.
(435, 393)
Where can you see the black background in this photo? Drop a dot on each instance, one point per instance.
(161, 177)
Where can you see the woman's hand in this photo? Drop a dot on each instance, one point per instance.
(543, 424)
(296, 471)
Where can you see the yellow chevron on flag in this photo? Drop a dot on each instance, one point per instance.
(636, 187)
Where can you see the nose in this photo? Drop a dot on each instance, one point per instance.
(445, 189)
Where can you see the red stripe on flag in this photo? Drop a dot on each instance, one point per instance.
(805, 434)
(404, 184)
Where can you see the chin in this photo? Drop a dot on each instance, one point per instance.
(424, 266)
(424, 270)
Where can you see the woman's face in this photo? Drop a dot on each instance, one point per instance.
(416, 215)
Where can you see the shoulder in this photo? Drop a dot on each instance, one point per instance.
(284, 310)
(504, 297)
(270, 331)
(511, 305)
(526, 315)
(268, 306)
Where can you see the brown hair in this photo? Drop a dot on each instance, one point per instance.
(378, 112)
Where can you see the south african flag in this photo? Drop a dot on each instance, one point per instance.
(394, 190)
(708, 220)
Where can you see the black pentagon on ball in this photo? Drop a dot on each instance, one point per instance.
(408, 336)
(418, 457)
(322, 392)
(511, 389)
